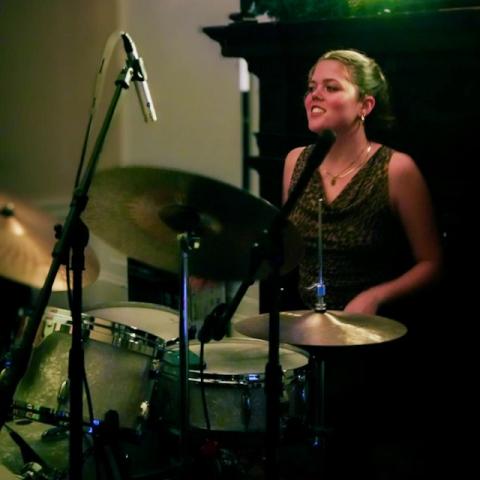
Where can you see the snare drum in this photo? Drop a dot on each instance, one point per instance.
(234, 382)
(120, 364)
(160, 321)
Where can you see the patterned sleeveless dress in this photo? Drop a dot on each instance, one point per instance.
(363, 241)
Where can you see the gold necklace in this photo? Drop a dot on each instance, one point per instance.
(351, 168)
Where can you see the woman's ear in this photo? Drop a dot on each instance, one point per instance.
(368, 103)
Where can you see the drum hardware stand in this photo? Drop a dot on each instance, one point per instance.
(271, 249)
(107, 449)
(185, 221)
(317, 381)
(188, 241)
(317, 405)
(21, 351)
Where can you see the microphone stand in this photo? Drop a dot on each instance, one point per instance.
(216, 324)
(73, 235)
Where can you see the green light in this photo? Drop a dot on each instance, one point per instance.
(314, 9)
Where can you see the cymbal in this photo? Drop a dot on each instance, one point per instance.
(141, 210)
(27, 239)
(332, 328)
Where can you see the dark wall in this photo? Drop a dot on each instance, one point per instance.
(431, 62)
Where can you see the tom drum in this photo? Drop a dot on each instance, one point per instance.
(234, 382)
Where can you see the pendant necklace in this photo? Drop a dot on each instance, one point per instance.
(350, 169)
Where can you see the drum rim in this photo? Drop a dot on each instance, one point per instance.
(126, 304)
(240, 378)
(128, 307)
(115, 334)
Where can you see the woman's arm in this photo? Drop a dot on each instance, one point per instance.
(410, 198)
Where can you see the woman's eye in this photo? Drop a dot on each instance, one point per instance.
(326, 88)
(331, 88)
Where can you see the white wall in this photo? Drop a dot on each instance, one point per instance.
(194, 88)
(50, 51)
(49, 54)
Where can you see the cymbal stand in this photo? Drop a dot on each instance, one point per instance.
(273, 369)
(216, 325)
(317, 381)
(317, 406)
(21, 351)
(274, 380)
(188, 241)
(320, 305)
(271, 248)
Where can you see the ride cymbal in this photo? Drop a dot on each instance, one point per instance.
(141, 210)
(27, 239)
(332, 328)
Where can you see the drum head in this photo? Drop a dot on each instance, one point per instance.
(236, 356)
(157, 320)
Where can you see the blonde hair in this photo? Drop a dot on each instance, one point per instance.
(367, 76)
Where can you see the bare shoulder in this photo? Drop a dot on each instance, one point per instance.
(293, 155)
(402, 165)
(288, 168)
(406, 182)
(291, 161)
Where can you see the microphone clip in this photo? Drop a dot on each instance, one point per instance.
(134, 61)
(139, 77)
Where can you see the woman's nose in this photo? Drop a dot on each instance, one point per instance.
(317, 92)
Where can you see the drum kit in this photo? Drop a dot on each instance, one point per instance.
(189, 225)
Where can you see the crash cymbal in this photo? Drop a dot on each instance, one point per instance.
(332, 328)
(27, 239)
(141, 210)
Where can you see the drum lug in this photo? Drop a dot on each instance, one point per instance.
(63, 393)
(144, 410)
(154, 372)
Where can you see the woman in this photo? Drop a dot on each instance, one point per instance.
(377, 210)
(380, 249)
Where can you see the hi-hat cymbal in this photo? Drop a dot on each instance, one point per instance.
(27, 239)
(332, 328)
(141, 210)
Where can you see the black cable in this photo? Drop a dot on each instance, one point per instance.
(85, 144)
(89, 398)
(202, 387)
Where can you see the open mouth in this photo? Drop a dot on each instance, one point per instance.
(317, 110)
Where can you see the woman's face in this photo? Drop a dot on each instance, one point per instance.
(332, 101)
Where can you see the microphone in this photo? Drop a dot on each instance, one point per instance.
(215, 325)
(324, 142)
(139, 78)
